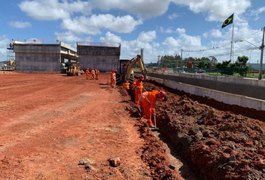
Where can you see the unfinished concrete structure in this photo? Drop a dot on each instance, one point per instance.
(104, 58)
(33, 57)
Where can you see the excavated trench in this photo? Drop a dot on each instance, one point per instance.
(217, 141)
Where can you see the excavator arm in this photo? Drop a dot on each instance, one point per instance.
(131, 65)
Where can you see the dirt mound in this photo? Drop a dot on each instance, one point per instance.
(217, 144)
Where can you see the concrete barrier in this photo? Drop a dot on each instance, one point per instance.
(227, 98)
(246, 87)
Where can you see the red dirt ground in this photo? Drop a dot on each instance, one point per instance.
(58, 127)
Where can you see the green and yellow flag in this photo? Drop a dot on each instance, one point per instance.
(228, 21)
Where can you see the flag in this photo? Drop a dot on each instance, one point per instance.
(228, 21)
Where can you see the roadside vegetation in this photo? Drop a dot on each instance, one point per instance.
(209, 65)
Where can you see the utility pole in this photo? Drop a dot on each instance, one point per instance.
(232, 45)
(181, 54)
(142, 53)
(158, 60)
(261, 54)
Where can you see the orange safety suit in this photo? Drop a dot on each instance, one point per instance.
(93, 73)
(138, 84)
(87, 73)
(113, 79)
(147, 104)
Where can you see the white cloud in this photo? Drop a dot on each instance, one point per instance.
(68, 37)
(20, 24)
(56, 9)
(217, 10)
(146, 37)
(172, 16)
(43, 10)
(166, 30)
(153, 49)
(146, 41)
(93, 25)
(111, 39)
(4, 42)
(257, 12)
(53, 9)
(173, 45)
(142, 8)
(181, 30)
(172, 42)
(215, 33)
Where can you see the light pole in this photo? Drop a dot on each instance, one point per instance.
(181, 53)
(261, 54)
(242, 40)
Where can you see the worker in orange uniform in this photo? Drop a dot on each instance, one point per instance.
(87, 73)
(147, 104)
(126, 85)
(113, 79)
(93, 73)
(138, 89)
(97, 74)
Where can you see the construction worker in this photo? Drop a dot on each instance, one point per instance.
(113, 79)
(147, 104)
(138, 89)
(97, 74)
(87, 73)
(93, 73)
(126, 85)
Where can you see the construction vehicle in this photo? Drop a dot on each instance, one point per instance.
(9, 65)
(127, 71)
(73, 68)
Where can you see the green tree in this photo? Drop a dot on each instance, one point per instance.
(225, 68)
(241, 65)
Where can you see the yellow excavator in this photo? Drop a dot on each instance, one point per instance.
(127, 71)
(9, 65)
(73, 69)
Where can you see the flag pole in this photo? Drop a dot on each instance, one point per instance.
(232, 44)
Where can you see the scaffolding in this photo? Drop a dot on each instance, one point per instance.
(10, 52)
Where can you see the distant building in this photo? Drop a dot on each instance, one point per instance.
(256, 66)
(104, 58)
(38, 57)
(32, 57)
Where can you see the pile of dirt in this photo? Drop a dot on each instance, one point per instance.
(217, 140)
(216, 144)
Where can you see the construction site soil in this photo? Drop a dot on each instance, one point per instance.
(54, 126)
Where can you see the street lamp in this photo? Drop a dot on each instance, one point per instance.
(242, 40)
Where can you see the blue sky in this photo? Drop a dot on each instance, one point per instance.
(160, 27)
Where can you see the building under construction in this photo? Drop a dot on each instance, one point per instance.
(32, 57)
(104, 58)
(37, 57)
